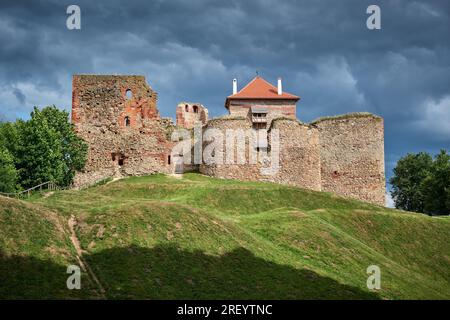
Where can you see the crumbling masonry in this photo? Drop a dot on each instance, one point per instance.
(118, 117)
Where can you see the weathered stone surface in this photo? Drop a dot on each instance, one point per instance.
(352, 156)
(188, 114)
(126, 136)
(299, 155)
(343, 155)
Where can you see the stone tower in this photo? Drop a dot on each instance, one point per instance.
(188, 114)
(118, 118)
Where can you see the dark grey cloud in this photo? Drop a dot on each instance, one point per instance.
(19, 96)
(190, 50)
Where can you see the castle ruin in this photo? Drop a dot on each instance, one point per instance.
(118, 117)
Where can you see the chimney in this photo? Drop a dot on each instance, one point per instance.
(280, 89)
(234, 86)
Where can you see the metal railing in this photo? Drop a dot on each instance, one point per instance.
(49, 185)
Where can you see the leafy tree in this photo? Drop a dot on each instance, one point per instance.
(422, 184)
(8, 173)
(10, 137)
(436, 186)
(407, 182)
(73, 148)
(48, 148)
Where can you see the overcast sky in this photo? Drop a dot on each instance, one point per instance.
(191, 50)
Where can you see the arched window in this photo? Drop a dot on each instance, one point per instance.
(129, 94)
(195, 109)
(127, 121)
(186, 108)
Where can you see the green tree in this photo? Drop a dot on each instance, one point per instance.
(407, 182)
(422, 184)
(48, 148)
(10, 137)
(8, 173)
(73, 148)
(436, 186)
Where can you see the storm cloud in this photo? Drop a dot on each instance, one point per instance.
(191, 50)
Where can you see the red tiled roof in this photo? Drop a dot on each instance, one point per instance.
(259, 88)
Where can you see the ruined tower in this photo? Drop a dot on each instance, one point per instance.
(189, 114)
(118, 117)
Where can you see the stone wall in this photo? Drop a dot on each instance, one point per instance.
(343, 155)
(230, 171)
(118, 118)
(188, 114)
(352, 156)
(299, 154)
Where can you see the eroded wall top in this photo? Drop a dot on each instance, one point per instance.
(189, 113)
(111, 100)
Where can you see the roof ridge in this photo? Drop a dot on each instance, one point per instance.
(260, 88)
(267, 82)
(251, 81)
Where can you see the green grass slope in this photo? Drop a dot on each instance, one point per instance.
(159, 237)
(35, 250)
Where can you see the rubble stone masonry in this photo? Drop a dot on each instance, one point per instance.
(188, 114)
(299, 154)
(352, 156)
(118, 118)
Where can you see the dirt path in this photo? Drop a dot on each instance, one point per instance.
(113, 180)
(84, 265)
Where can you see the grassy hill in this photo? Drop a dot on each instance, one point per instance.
(159, 237)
